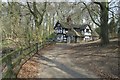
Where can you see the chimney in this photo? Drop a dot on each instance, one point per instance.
(69, 19)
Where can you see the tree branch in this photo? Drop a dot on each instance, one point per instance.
(114, 7)
(44, 10)
(99, 4)
(91, 15)
(30, 9)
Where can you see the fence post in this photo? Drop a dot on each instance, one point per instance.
(10, 73)
(36, 47)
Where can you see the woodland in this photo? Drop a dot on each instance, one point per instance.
(28, 27)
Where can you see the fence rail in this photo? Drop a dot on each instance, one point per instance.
(13, 61)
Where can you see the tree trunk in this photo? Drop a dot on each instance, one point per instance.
(103, 21)
(119, 27)
(104, 24)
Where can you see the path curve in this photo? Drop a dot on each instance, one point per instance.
(56, 62)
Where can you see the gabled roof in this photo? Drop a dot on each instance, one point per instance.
(83, 26)
(94, 33)
(71, 28)
(70, 25)
(66, 25)
(74, 32)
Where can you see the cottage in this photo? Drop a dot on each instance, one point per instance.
(67, 32)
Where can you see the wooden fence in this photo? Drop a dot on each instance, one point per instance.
(12, 62)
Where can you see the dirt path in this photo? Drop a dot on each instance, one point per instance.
(55, 62)
(72, 61)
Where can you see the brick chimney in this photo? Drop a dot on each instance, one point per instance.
(69, 19)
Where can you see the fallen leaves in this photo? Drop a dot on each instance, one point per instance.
(103, 61)
(29, 70)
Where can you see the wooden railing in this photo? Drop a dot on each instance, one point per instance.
(12, 62)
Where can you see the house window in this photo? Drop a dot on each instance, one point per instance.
(64, 31)
(58, 25)
(87, 30)
(60, 30)
(82, 31)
